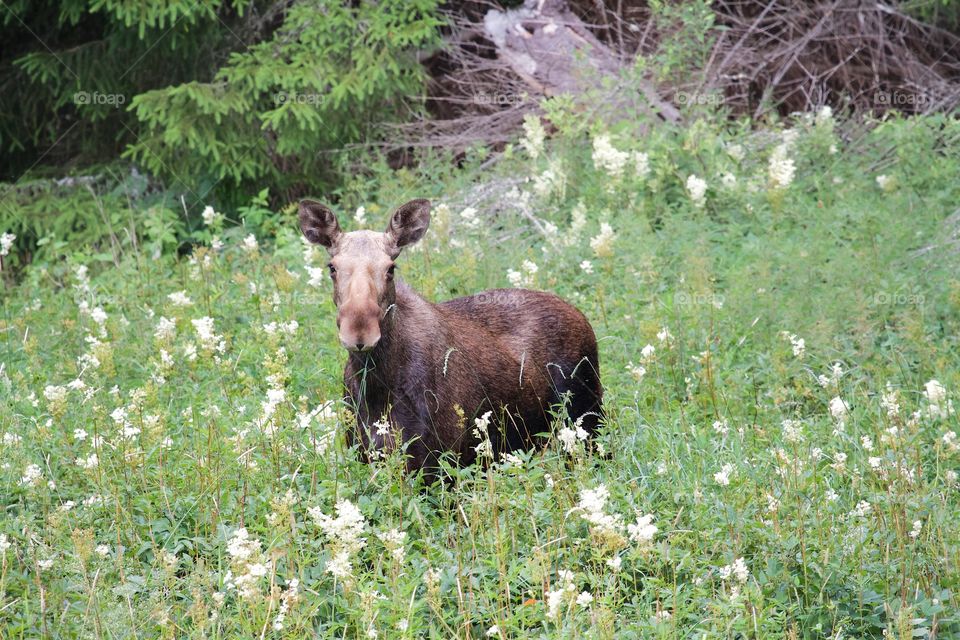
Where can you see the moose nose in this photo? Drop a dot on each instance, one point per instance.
(351, 345)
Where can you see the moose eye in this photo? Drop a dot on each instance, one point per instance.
(333, 270)
(390, 271)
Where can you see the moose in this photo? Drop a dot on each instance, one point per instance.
(418, 374)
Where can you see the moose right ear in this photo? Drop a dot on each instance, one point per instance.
(318, 224)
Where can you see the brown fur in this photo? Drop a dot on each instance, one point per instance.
(432, 368)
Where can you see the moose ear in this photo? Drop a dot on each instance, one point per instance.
(318, 224)
(408, 224)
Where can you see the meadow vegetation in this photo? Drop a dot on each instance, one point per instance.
(777, 312)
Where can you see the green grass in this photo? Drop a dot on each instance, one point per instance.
(144, 542)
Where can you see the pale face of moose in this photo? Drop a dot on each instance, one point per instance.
(362, 266)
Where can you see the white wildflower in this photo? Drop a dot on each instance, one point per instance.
(209, 340)
(838, 409)
(179, 299)
(90, 462)
(592, 506)
(431, 578)
(740, 570)
(736, 152)
(241, 546)
(534, 136)
(209, 216)
(889, 402)
(11, 439)
(643, 530)
(950, 441)
(317, 276)
(781, 168)
(662, 616)
(55, 394)
(641, 164)
(824, 116)
(607, 158)
(569, 437)
(275, 328)
(470, 218)
(526, 276)
(602, 243)
(166, 330)
(697, 190)
(339, 565)
(915, 532)
(862, 509)
(6, 243)
(565, 592)
(393, 541)
(32, 475)
(934, 392)
(346, 530)
(839, 461)
(637, 371)
(578, 221)
(722, 477)
(799, 345)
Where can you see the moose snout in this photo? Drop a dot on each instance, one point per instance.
(359, 331)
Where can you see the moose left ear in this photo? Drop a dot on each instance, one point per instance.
(318, 224)
(408, 224)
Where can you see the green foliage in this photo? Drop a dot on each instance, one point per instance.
(943, 13)
(76, 66)
(51, 219)
(202, 429)
(104, 219)
(690, 26)
(217, 99)
(276, 111)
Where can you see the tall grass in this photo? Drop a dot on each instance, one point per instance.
(780, 461)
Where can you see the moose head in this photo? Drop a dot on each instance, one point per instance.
(362, 265)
